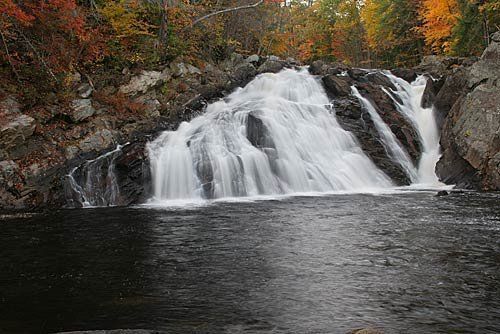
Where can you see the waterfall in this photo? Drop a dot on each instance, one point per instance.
(278, 135)
(422, 119)
(392, 145)
(94, 183)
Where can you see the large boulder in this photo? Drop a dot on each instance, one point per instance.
(407, 74)
(337, 86)
(352, 117)
(81, 109)
(241, 75)
(149, 79)
(15, 127)
(270, 66)
(471, 132)
(453, 88)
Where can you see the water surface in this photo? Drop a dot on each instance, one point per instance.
(408, 263)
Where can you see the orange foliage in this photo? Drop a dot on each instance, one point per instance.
(439, 17)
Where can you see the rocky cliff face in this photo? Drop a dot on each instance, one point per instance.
(337, 80)
(40, 146)
(470, 138)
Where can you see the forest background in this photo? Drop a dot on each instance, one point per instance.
(43, 42)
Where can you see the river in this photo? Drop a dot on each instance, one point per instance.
(407, 262)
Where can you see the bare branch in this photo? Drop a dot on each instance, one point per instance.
(227, 10)
(39, 56)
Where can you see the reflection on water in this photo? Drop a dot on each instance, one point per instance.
(410, 263)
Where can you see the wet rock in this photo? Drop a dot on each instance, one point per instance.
(442, 193)
(257, 132)
(356, 73)
(380, 79)
(454, 87)
(352, 117)
(241, 75)
(318, 67)
(336, 86)
(429, 96)
(81, 109)
(400, 126)
(270, 66)
(133, 174)
(406, 74)
(97, 141)
(147, 80)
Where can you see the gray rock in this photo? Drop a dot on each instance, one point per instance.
(258, 133)
(380, 79)
(317, 67)
(81, 109)
(192, 69)
(471, 132)
(9, 106)
(253, 59)
(242, 74)
(8, 171)
(15, 127)
(84, 90)
(273, 58)
(496, 37)
(270, 66)
(453, 88)
(178, 69)
(406, 74)
(97, 141)
(486, 70)
(149, 79)
(336, 86)
(151, 104)
(356, 73)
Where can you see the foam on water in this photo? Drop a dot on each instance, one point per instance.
(275, 136)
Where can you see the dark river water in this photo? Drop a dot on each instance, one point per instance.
(407, 263)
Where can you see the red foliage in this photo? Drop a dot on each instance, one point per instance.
(51, 34)
(8, 9)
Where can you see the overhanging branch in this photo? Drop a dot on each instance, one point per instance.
(227, 10)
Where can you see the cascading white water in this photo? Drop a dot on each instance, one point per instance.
(275, 136)
(423, 120)
(94, 183)
(394, 148)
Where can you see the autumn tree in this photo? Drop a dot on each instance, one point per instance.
(439, 17)
(391, 31)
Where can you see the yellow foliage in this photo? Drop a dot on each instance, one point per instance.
(125, 17)
(439, 17)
